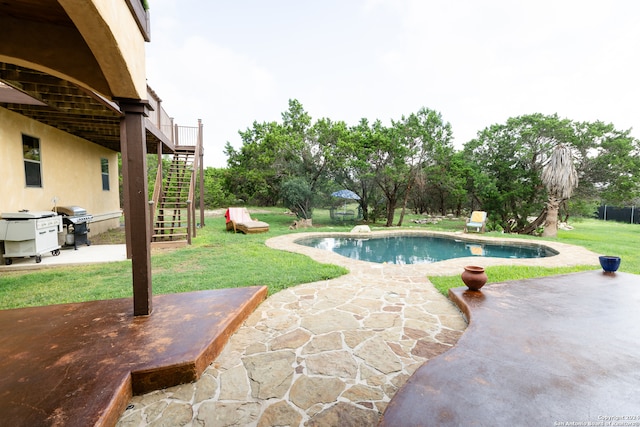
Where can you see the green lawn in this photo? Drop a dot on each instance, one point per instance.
(221, 259)
(216, 259)
(607, 238)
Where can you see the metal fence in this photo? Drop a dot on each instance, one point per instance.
(612, 213)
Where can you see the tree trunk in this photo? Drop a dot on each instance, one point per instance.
(365, 212)
(404, 205)
(566, 211)
(399, 224)
(391, 209)
(529, 229)
(551, 222)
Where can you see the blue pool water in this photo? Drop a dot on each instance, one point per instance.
(420, 249)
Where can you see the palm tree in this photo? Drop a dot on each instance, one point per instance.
(560, 178)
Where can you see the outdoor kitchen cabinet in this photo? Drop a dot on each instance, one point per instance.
(30, 234)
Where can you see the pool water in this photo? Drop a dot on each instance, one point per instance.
(420, 249)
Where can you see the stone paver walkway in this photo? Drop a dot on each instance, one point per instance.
(329, 353)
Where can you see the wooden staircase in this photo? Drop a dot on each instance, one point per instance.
(172, 218)
(172, 209)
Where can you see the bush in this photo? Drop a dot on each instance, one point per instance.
(297, 196)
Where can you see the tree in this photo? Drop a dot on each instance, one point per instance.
(441, 187)
(273, 153)
(608, 161)
(403, 150)
(560, 178)
(353, 157)
(428, 142)
(509, 160)
(254, 172)
(298, 196)
(215, 189)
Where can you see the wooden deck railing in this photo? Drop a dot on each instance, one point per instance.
(178, 135)
(159, 116)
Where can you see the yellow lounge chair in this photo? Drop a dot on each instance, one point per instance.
(478, 220)
(238, 219)
(476, 250)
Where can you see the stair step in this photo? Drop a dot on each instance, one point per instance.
(163, 229)
(183, 233)
(169, 244)
(172, 236)
(166, 231)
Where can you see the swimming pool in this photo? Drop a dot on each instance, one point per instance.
(414, 249)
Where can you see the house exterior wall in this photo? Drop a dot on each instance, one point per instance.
(71, 172)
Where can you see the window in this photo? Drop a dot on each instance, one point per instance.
(31, 155)
(104, 163)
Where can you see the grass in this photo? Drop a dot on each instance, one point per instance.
(216, 259)
(221, 259)
(503, 273)
(603, 237)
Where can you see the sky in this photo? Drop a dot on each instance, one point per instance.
(478, 63)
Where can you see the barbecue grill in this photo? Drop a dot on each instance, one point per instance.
(76, 220)
(29, 234)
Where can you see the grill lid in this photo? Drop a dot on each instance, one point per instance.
(72, 210)
(76, 219)
(27, 214)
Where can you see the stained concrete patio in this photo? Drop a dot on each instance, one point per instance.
(79, 364)
(559, 350)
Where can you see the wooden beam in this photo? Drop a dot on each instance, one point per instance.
(137, 220)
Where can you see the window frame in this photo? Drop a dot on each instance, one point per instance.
(105, 174)
(30, 164)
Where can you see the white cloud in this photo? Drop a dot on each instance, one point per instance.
(202, 80)
(478, 63)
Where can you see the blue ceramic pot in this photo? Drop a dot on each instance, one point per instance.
(610, 263)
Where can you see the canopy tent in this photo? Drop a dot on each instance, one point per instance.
(346, 195)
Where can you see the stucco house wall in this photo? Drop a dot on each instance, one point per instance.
(71, 171)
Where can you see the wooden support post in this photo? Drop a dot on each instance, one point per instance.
(201, 171)
(151, 212)
(190, 222)
(137, 221)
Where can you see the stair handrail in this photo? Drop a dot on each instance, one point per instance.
(152, 209)
(189, 223)
(201, 171)
(157, 191)
(191, 213)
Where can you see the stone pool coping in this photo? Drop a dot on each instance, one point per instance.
(568, 255)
